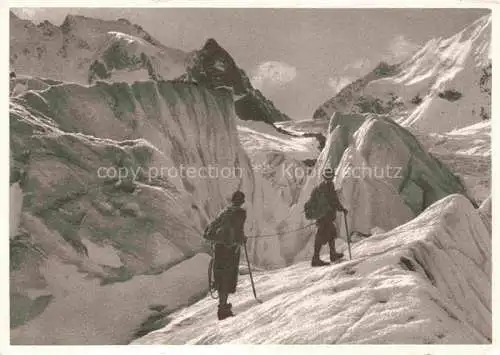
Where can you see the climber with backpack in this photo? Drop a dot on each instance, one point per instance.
(227, 235)
(322, 206)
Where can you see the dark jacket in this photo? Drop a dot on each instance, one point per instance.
(227, 227)
(330, 204)
(238, 218)
(227, 251)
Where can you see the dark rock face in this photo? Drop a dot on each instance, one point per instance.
(214, 67)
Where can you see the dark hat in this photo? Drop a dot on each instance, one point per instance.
(328, 173)
(238, 198)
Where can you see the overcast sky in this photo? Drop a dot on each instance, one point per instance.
(297, 57)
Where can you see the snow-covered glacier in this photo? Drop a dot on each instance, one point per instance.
(115, 172)
(274, 155)
(421, 283)
(384, 177)
(123, 57)
(98, 173)
(467, 151)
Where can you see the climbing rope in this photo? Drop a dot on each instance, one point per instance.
(212, 289)
(279, 234)
(211, 282)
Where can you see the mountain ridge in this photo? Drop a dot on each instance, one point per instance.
(214, 66)
(122, 51)
(431, 90)
(100, 208)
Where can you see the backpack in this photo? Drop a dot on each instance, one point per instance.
(318, 204)
(312, 206)
(218, 230)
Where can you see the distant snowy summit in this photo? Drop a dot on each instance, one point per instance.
(445, 85)
(213, 66)
(85, 50)
(127, 58)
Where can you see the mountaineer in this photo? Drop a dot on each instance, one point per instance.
(322, 206)
(227, 235)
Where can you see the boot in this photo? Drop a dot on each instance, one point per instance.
(316, 261)
(224, 311)
(334, 256)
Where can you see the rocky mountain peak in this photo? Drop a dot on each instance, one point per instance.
(211, 44)
(213, 66)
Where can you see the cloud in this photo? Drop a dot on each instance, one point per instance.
(400, 49)
(272, 74)
(339, 82)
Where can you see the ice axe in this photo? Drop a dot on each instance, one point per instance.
(348, 237)
(250, 273)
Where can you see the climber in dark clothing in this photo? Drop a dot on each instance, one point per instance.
(329, 205)
(230, 236)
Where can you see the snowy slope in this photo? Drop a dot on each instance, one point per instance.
(274, 154)
(425, 282)
(462, 65)
(305, 126)
(444, 86)
(85, 312)
(471, 140)
(67, 52)
(259, 137)
(108, 228)
(467, 151)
